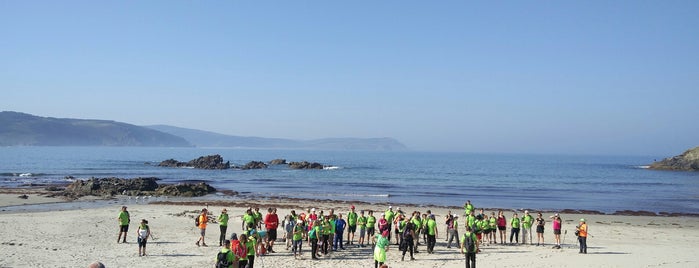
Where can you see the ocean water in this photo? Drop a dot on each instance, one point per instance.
(550, 182)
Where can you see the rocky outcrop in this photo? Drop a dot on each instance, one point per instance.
(135, 187)
(254, 165)
(305, 165)
(688, 161)
(185, 190)
(204, 162)
(278, 162)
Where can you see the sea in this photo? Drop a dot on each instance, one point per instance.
(509, 181)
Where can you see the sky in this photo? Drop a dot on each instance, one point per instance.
(562, 77)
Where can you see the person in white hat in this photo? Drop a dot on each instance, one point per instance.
(582, 236)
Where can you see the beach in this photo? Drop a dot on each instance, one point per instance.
(77, 237)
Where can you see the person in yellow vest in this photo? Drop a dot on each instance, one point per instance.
(223, 226)
(582, 236)
(469, 246)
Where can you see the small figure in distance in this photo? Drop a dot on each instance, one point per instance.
(124, 219)
(143, 234)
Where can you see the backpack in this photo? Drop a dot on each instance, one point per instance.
(239, 250)
(469, 244)
(222, 260)
(196, 221)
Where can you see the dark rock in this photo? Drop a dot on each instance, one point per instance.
(24, 196)
(688, 161)
(634, 213)
(278, 162)
(203, 162)
(186, 190)
(254, 165)
(110, 186)
(305, 165)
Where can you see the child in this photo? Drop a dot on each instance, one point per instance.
(143, 234)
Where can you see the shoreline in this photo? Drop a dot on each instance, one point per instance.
(45, 197)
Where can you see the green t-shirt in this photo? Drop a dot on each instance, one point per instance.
(327, 229)
(352, 218)
(252, 242)
(258, 216)
(468, 208)
(417, 223)
(389, 216)
(493, 223)
(471, 221)
(371, 221)
(248, 219)
(361, 221)
(463, 242)
(223, 219)
(124, 218)
(527, 221)
(298, 232)
(229, 255)
(431, 227)
(514, 222)
(313, 234)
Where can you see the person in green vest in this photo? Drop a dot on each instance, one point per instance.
(514, 226)
(389, 215)
(417, 224)
(351, 225)
(223, 226)
(471, 220)
(361, 222)
(258, 218)
(469, 246)
(313, 235)
(248, 219)
(468, 208)
(431, 234)
(124, 219)
(527, 222)
(371, 227)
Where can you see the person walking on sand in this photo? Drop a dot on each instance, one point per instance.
(143, 234)
(540, 223)
(298, 238)
(452, 230)
(271, 224)
(431, 234)
(527, 222)
(225, 257)
(124, 219)
(557, 224)
(382, 243)
(514, 225)
(469, 247)
(223, 226)
(468, 208)
(371, 227)
(313, 236)
(203, 220)
(407, 240)
(582, 236)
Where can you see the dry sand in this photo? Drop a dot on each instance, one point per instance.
(76, 237)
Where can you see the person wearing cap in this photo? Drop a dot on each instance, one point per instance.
(370, 226)
(223, 226)
(389, 215)
(557, 224)
(203, 219)
(582, 236)
(351, 225)
(297, 238)
(248, 219)
(124, 219)
(527, 222)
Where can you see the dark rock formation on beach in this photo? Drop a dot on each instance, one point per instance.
(305, 165)
(136, 186)
(278, 162)
(254, 165)
(203, 162)
(687, 161)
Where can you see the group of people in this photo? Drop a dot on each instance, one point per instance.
(325, 232)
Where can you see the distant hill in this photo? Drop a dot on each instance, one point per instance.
(688, 161)
(210, 139)
(20, 129)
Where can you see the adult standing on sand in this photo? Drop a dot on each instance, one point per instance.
(223, 226)
(469, 246)
(124, 219)
(540, 223)
(203, 219)
(514, 225)
(382, 243)
(431, 234)
(527, 222)
(389, 215)
(502, 226)
(351, 225)
(557, 223)
(582, 236)
(271, 224)
(143, 234)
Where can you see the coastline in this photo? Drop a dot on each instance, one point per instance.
(76, 237)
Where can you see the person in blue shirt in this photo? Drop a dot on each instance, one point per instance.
(340, 224)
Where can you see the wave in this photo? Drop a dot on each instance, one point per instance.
(21, 174)
(642, 167)
(331, 167)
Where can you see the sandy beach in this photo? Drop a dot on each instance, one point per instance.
(77, 237)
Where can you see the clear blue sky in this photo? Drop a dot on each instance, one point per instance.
(585, 77)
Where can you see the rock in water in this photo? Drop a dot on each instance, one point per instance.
(203, 162)
(688, 161)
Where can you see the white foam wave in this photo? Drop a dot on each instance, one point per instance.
(26, 174)
(643, 167)
(331, 167)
